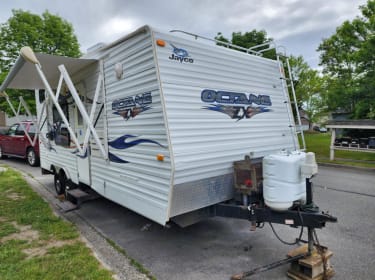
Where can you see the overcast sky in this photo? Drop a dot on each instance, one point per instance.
(299, 25)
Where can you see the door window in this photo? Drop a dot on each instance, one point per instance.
(32, 130)
(61, 133)
(20, 131)
(12, 130)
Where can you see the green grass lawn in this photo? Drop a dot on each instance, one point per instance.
(35, 243)
(319, 144)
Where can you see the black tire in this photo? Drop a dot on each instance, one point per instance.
(1, 153)
(60, 182)
(31, 157)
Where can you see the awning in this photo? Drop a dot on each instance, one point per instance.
(23, 74)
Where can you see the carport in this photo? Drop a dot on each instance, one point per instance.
(349, 124)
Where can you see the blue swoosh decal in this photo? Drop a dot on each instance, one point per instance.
(114, 158)
(120, 143)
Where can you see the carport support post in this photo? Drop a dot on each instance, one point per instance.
(332, 147)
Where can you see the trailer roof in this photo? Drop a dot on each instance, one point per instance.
(23, 74)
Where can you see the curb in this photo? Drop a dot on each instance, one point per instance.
(340, 166)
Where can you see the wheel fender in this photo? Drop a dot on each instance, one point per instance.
(57, 169)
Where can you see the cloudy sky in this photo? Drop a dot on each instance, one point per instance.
(299, 25)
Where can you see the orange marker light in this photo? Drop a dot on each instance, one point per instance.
(160, 43)
(160, 157)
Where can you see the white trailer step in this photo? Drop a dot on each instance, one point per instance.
(79, 196)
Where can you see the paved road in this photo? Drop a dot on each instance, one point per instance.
(217, 248)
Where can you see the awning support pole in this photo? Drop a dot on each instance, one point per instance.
(93, 109)
(36, 124)
(16, 114)
(332, 146)
(58, 107)
(82, 108)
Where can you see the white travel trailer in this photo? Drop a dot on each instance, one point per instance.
(154, 121)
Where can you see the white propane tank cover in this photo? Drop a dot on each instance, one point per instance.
(282, 180)
(309, 167)
(285, 166)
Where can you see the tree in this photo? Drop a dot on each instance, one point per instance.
(348, 58)
(248, 40)
(47, 34)
(310, 89)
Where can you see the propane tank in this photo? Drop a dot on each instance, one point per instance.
(283, 182)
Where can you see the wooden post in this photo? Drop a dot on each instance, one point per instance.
(332, 147)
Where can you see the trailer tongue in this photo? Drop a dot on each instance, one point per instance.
(278, 189)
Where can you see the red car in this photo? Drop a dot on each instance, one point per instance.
(15, 143)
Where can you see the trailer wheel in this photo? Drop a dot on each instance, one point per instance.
(60, 182)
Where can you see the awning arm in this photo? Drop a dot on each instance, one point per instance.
(16, 115)
(82, 109)
(23, 103)
(29, 55)
(44, 108)
(36, 124)
(98, 90)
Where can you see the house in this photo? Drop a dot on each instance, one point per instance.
(304, 120)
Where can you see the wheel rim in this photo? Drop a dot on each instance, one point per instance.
(1, 153)
(58, 186)
(31, 157)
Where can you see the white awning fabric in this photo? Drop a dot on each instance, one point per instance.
(23, 74)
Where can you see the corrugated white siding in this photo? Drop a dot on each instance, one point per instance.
(62, 158)
(143, 183)
(206, 142)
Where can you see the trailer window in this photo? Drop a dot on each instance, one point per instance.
(61, 133)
